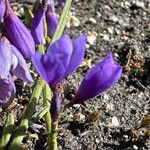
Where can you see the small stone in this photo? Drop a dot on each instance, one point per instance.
(109, 106)
(114, 18)
(126, 3)
(110, 30)
(93, 20)
(82, 117)
(106, 97)
(75, 21)
(106, 37)
(139, 4)
(91, 38)
(116, 55)
(97, 141)
(115, 122)
(87, 45)
(107, 7)
(135, 147)
(68, 25)
(76, 105)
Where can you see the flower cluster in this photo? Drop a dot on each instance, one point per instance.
(61, 59)
(11, 63)
(56, 62)
(18, 43)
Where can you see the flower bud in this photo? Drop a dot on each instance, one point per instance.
(98, 79)
(55, 107)
(51, 19)
(2, 9)
(37, 27)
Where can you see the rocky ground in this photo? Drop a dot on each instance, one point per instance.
(122, 27)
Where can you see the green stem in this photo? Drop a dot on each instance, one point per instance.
(47, 116)
(62, 21)
(53, 136)
(27, 117)
(7, 131)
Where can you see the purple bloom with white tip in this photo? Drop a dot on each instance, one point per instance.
(17, 33)
(51, 21)
(63, 57)
(98, 79)
(11, 63)
(37, 26)
(2, 9)
(51, 18)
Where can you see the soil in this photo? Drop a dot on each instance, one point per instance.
(122, 27)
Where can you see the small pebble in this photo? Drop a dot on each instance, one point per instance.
(113, 18)
(110, 30)
(135, 147)
(106, 97)
(106, 37)
(82, 117)
(115, 122)
(139, 4)
(93, 20)
(75, 21)
(91, 38)
(109, 106)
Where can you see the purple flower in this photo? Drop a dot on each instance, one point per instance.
(98, 79)
(2, 9)
(55, 107)
(37, 27)
(14, 62)
(17, 33)
(62, 58)
(44, 11)
(11, 63)
(8, 89)
(21, 69)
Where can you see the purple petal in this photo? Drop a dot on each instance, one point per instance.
(48, 67)
(62, 50)
(51, 6)
(52, 23)
(7, 91)
(5, 59)
(52, 66)
(98, 79)
(18, 34)
(21, 70)
(2, 9)
(37, 27)
(38, 63)
(55, 107)
(77, 55)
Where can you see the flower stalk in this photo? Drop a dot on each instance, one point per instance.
(47, 116)
(7, 131)
(53, 136)
(62, 21)
(27, 117)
